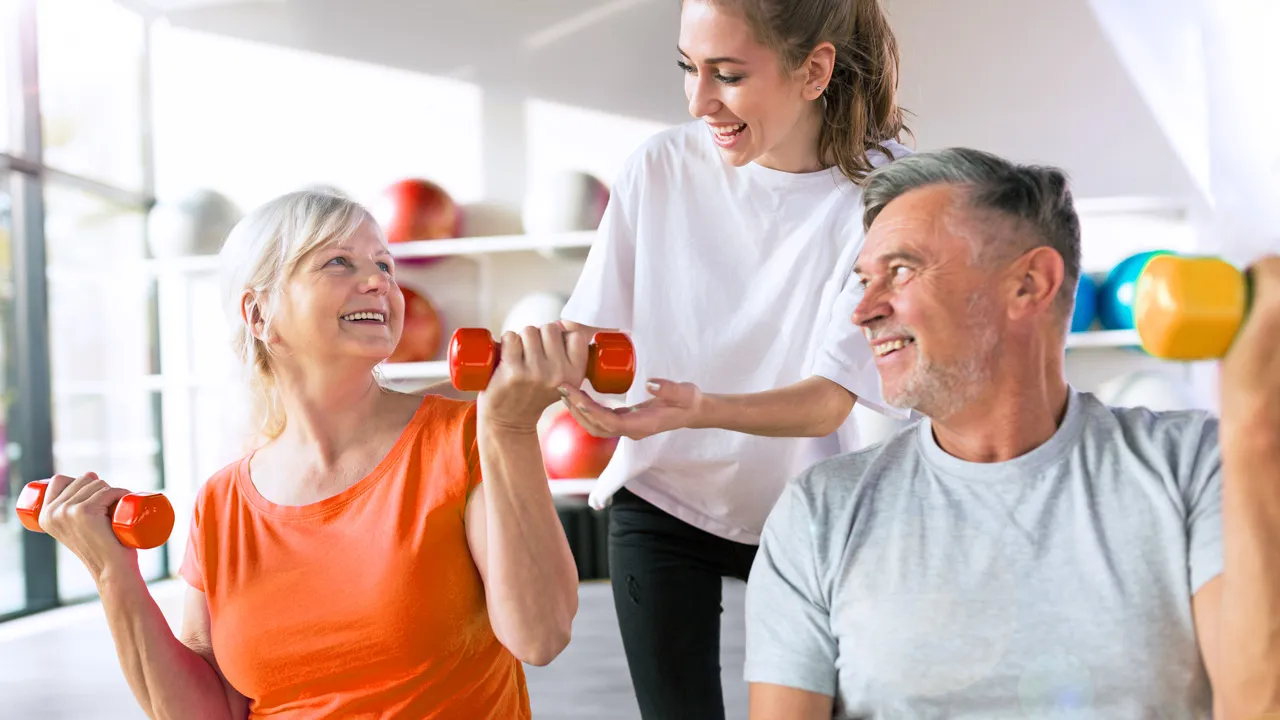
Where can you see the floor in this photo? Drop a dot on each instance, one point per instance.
(61, 665)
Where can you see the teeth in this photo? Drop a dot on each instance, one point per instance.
(730, 131)
(885, 348)
(365, 316)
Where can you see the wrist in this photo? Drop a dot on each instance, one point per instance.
(707, 412)
(114, 574)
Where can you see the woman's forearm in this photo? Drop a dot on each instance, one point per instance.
(813, 407)
(1250, 618)
(169, 679)
(532, 584)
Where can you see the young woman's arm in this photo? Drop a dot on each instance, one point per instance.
(170, 678)
(813, 407)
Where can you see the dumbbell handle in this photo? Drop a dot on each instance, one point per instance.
(474, 355)
(1190, 308)
(140, 520)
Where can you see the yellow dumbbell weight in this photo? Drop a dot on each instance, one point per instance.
(1189, 308)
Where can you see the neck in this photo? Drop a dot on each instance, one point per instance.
(328, 409)
(798, 153)
(1020, 409)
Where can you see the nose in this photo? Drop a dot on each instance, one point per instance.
(376, 282)
(873, 306)
(703, 98)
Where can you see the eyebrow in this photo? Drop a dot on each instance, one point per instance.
(890, 257)
(725, 60)
(348, 248)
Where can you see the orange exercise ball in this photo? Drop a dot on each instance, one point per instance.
(423, 333)
(571, 453)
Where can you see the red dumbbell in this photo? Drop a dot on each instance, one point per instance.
(141, 520)
(473, 356)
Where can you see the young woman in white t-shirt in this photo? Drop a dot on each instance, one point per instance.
(726, 253)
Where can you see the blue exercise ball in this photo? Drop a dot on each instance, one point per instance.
(1115, 298)
(1086, 304)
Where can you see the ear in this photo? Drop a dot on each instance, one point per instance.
(816, 70)
(1037, 277)
(251, 314)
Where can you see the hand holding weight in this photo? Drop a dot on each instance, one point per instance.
(474, 355)
(1189, 308)
(141, 520)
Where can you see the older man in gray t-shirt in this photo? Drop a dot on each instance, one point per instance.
(1024, 551)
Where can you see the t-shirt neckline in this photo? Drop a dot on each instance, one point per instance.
(1021, 467)
(333, 503)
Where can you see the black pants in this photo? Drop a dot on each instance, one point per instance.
(666, 577)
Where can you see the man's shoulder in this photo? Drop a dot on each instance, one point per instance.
(1136, 426)
(844, 476)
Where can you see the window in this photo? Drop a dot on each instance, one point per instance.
(105, 414)
(92, 56)
(12, 580)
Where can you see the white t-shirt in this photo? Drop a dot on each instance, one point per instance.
(738, 280)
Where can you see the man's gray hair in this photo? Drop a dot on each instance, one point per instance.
(1036, 197)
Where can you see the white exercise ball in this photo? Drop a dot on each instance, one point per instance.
(1147, 389)
(535, 309)
(196, 224)
(564, 202)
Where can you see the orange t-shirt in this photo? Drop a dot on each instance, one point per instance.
(366, 604)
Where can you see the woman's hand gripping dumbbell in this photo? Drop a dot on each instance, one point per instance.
(474, 355)
(66, 507)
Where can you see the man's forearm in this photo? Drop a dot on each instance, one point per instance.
(1250, 621)
(813, 407)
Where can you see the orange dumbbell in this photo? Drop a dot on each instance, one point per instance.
(1189, 308)
(474, 355)
(141, 520)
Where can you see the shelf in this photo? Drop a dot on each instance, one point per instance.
(434, 370)
(1105, 339)
(494, 244)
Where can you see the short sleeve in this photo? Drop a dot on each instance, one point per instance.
(1202, 489)
(603, 296)
(788, 631)
(845, 357)
(192, 568)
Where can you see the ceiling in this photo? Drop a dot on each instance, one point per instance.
(1036, 81)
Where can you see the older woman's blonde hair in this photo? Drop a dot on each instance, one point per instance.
(259, 256)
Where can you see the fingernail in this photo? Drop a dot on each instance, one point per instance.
(564, 392)
(652, 386)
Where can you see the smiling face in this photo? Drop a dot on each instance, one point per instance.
(931, 314)
(755, 110)
(342, 301)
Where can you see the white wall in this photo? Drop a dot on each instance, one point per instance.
(1036, 81)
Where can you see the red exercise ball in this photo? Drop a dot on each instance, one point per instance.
(417, 209)
(571, 453)
(421, 339)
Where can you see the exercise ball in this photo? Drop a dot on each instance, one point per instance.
(571, 453)
(536, 309)
(1115, 297)
(417, 209)
(564, 202)
(421, 339)
(487, 219)
(195, 224)
(1086, 309)
(1148, 389)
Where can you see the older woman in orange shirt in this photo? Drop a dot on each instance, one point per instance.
(354, 564)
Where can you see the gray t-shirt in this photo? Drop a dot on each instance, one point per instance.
(909, 583)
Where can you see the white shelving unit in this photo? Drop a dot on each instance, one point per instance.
(1105, 339)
